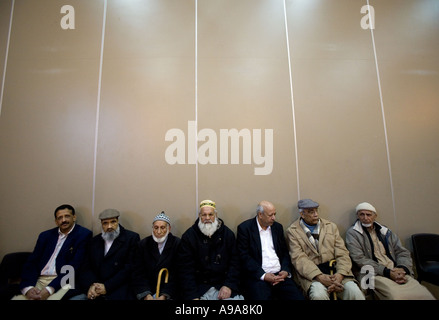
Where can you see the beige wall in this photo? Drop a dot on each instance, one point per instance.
(87, 127)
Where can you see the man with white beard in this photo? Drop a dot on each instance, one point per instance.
(208, 260)
(107, 266)
(154, 253)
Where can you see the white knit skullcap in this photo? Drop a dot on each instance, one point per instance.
(162, 217)
(365, 206)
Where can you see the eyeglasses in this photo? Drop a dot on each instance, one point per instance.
(311, 211)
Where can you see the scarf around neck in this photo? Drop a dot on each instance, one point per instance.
(313, 236)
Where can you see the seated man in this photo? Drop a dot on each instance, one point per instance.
(313, 243)
(208, 262)
(154, 253)
(373, 245)
(63, 246)
(107, 266)
(264, 257)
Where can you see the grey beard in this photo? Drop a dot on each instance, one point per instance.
(208, 229)
(162, 239)
(110, 236)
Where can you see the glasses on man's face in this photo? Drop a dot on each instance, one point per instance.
(311, 211)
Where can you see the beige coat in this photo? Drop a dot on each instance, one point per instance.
(305, 257)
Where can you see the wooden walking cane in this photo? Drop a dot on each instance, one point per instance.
(157, 294)
(332, 264)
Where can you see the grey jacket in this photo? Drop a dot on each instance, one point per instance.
(362, 252)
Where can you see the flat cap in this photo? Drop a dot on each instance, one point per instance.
(307, 204)
(109, 213)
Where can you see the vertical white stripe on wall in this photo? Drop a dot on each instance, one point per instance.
(98, 106)
(384, 121)
(196, 105)
(292, 100)
(6, 56)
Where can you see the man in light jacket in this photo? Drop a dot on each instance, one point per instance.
(313, 243)
(379, 253)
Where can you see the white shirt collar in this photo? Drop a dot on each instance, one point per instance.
(259, 226)
(60, 233)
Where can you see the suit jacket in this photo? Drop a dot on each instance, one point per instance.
(149, 262)
(113, 269)
(71, 253)
(250, 249)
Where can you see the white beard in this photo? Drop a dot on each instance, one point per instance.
(162, 239)
(208, 229)
(110, 236)
(366, 225)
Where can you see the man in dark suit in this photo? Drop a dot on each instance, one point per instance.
(154, 253)
(58, 251)
(108, 264)
(264, 257)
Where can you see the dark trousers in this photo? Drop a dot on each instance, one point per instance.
(262, 290)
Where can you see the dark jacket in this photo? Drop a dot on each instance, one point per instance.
(149, 262)
(250, 249)
(208, 262)
(71, 253)
(113, 269)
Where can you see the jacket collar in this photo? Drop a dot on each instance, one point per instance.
(322, 233)
(379, 227)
